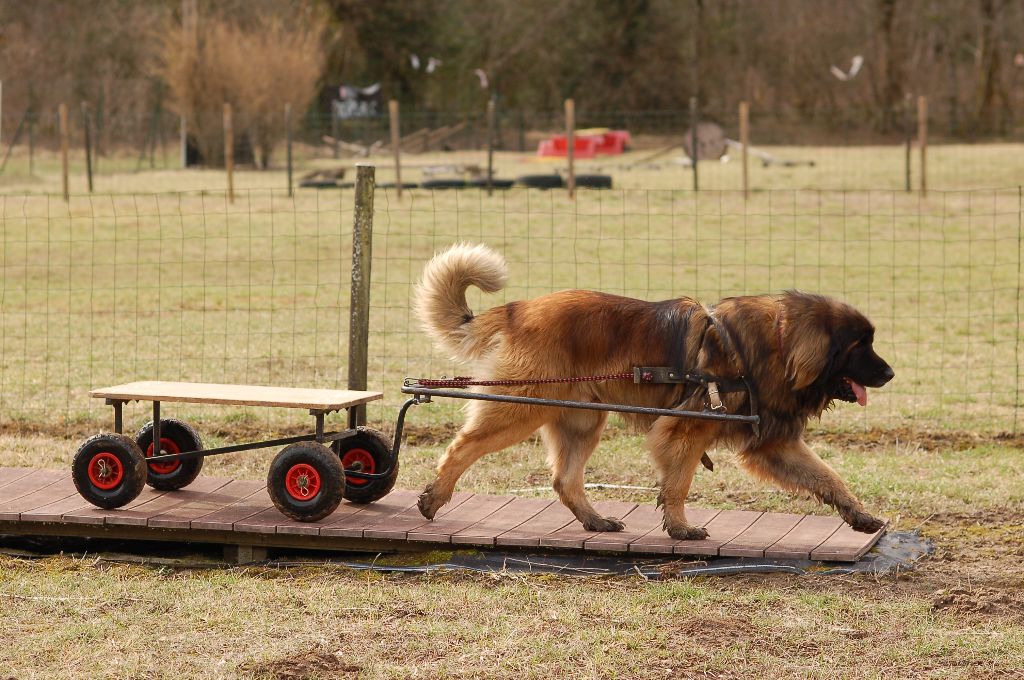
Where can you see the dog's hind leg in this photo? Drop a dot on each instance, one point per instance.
(490, 427)
(677, 447)
(570, 440)
(794, 467)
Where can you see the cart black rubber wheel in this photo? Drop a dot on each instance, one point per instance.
(594, 181)
(175, 437)
(541, 181)
(109, 470)
(306, 481)
(366, 451)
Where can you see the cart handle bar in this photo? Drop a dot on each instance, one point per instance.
(590, 406)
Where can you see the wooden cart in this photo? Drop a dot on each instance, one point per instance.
(306, 481)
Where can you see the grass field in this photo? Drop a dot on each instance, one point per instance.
(152, 283)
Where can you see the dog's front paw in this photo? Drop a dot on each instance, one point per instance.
(427, 504)
(865, 523)
(604, 524)
(686, 532)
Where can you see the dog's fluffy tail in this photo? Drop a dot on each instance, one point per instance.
(440, 297)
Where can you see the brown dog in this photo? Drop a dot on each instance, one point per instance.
(798, 353)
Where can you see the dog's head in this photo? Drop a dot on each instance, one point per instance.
(827, 347)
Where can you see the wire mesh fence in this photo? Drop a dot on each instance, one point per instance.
(792, 149)
(187, 286)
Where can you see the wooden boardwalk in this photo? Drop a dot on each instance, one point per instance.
(239, 513)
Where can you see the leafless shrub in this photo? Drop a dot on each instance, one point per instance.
(256, 68)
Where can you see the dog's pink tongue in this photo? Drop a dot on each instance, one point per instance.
(860, 392)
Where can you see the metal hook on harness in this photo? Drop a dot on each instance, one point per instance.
(714, 398)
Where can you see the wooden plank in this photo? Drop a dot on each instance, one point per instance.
(31, 483)
(90, 514)
(573, 535)
(352, 525)
(529, 533)
(240, 395)
(476, 509)
(658, 541)
(139, 515)
(397, 527)
(9, 475)
(273, 521)
(642, 520)
(845, 545)
(310, 528)
(62, 487)
(225, 518)
(181, 516)
(54, 512)
(510, 516)
(724, 527)
(765, 531)
(811, 532)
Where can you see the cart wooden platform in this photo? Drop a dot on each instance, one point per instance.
(239, 515)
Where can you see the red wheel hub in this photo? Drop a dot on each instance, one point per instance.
(168, 466)
(302, 482)
(105, 471)
(360, 460)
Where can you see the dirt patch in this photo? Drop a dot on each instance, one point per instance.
(311, 664)
(976, 601)
(926, 440)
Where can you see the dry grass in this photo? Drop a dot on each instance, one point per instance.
(78, 309)
(958, 615)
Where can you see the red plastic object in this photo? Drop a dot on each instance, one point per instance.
(586, 146)
(557, 146)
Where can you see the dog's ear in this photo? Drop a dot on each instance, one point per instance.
(807, 346)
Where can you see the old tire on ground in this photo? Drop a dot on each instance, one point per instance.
(109, 470)
(443, 184)
(306, 481)
(367, 451)
(495, 183)
(593, 181)
(541, 181)
(175, 437)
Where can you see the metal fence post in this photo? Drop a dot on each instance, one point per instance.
(359, 307)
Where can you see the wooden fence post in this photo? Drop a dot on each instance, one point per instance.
(745, 143)
(908, 143)
(335, 146)
(570, 147)
(396, 142)
(288, 140)
(87, 124)
(694, 152)
(490, 145)
(62, 114)
(359, 307)
(922, 139)
(229, 151)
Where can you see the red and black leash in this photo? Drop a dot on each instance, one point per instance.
(466, 381)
